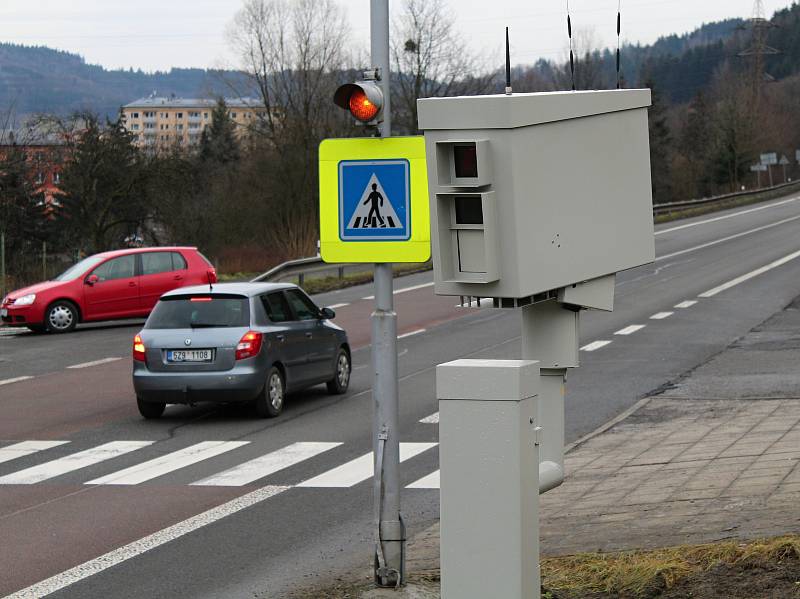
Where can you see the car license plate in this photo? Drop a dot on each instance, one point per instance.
(3, 313)
(189, 355)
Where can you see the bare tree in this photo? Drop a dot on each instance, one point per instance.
(293, 52)
(430, 58)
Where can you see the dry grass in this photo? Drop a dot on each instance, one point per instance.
(633, 573)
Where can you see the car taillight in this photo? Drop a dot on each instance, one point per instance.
(138, 349)
(249, 345)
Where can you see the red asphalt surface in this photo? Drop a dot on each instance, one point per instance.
(48, 528)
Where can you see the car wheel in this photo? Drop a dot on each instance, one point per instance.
(150, 410)
(341, 381)
(61, 317)
(270, 402)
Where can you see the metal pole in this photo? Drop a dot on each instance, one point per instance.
(769, 168)
(44, 260)
(389, 526)
(2, 263)
(379, 49)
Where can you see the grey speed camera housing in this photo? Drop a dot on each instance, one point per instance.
(532, 193)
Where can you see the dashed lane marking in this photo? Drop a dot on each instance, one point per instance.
(265, 465)
(19, 450)
(661, 315)
(411, 334)
(595, 345)
(94, 363)
(630, 329)
(686, 304)
(10, 331)
(72, 462)
(750, 275)
(18, 379)
(404, 290)
(337, 306)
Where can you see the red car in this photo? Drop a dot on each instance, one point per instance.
(107, 286)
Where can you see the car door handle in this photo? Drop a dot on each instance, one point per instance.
(309, 335)
(178, 277)
(131, 284)
(280, 337)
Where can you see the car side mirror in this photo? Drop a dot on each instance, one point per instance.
(327, 314)
(92, 279)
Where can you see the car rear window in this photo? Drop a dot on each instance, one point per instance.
(192, 312)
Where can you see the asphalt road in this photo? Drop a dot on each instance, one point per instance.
(162, 536)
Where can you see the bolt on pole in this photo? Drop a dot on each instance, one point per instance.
(389, 527)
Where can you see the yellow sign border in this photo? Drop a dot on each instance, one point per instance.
(334, 151)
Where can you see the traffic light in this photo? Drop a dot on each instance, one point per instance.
(363, 99)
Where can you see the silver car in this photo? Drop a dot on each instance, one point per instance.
(237, 342)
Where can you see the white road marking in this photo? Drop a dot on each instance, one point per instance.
(72, 462)
(630, 330)
(711, 220)
(686, 304)
(94, 363)
(136, 548)
(595, 345)
(265, 465)
(9, 331)
(167, 463)
(661, 315)
(360, 469)
(337, 306)
(403, 290)
(19, 450)
(426, 482)
(750, 275)
(432, 419)
(18, 379)
(411, 334)
(724, 239)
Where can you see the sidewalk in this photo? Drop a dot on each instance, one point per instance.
(715, 457)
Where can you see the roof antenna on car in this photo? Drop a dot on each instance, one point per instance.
(210, 286)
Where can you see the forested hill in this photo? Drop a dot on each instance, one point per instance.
(681, 66)
(41, 80)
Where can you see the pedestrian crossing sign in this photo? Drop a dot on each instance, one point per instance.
(374, 200)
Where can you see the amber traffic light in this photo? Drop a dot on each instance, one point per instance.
(363, 100)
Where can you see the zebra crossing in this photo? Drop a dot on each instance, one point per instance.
(344, 475)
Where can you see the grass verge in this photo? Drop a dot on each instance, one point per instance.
(768, 568)
(648, 574)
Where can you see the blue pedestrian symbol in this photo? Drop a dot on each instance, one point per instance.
(374, 200)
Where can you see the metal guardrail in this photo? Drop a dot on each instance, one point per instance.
(299, 268)
(305, 266)
(674, 206)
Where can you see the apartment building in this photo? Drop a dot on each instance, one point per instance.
(163, 122)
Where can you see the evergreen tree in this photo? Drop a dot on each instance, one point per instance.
(660, 149)
(218, 144)
(105, 187)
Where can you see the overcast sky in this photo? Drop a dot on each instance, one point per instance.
(159, 34)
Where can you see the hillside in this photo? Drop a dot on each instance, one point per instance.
(41, 80)
(38, 79)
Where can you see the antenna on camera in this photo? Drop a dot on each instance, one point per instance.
(508, 65)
